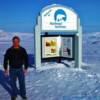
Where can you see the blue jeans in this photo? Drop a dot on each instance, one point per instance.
(14, 75)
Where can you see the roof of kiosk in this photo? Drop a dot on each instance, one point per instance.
(58, 18)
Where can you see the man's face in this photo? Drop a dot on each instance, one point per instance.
(16, 42)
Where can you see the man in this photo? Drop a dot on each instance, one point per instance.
(16, 56)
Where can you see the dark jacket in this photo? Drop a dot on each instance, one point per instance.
(15, 58)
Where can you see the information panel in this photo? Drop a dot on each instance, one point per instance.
(57, 46)
(67, 47)
(50, 47)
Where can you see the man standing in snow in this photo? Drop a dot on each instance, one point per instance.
(16, 56)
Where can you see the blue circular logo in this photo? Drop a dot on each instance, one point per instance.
(60, 16)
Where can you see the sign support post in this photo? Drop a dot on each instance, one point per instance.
(78, 47)
(38, 44)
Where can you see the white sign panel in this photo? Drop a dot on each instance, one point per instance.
(59, 18)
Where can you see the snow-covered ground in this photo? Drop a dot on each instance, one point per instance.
(62, 82)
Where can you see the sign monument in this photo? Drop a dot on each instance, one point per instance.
(58, 19)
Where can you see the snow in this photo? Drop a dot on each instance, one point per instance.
(59, 82)
(10, 35)
(2, 33)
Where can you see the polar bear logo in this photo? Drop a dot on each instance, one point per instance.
(60, 18)
(60, 15)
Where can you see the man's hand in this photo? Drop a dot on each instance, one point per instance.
(6, 72)
(25, 71)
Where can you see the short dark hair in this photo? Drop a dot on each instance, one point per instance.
(15, 37)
